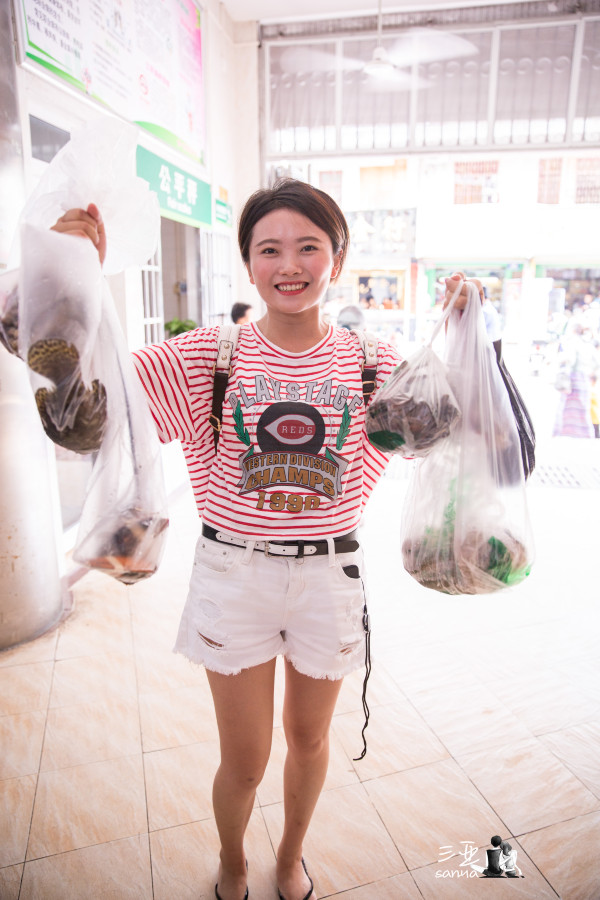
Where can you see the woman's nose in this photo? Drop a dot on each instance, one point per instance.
(290, 263)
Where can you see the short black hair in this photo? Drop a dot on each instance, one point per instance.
(238, 310)
(309, 201)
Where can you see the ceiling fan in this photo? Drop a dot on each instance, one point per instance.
(388, 68)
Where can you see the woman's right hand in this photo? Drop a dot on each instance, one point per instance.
(462, 299)
(85, 223)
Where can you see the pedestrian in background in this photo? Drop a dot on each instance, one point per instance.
(577, 362)
(241, 313)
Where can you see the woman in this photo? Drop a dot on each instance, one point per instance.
(280, 500)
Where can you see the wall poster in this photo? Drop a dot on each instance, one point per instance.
(140, 58)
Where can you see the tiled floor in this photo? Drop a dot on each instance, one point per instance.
(485, 718)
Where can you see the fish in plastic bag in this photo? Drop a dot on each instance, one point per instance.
(87, 391)
(465, 523)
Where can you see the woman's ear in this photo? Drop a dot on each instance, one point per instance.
(336, 266)
(249, 271)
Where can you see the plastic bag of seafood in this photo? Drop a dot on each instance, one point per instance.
(414, 409)
(9, 311)
(124, 522)
(87, 391)
(465, 523)
(416, 406)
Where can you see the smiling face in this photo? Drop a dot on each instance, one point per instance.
(291, 262)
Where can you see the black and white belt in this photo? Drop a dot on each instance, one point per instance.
(346, 543)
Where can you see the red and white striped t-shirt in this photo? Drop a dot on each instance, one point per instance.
(293, 459)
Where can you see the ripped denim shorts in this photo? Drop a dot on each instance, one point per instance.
(244, 608)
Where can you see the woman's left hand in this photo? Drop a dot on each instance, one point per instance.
(461, 300)
(85, 223)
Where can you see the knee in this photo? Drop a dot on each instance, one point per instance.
(243, 775)
(305, 745)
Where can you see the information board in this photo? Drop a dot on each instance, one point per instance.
(140, 58)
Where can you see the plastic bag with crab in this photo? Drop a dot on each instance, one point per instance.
(465, 523)
(86, 389)
(124, 521)
(416, 406)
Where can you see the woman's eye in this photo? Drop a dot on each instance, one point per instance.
(309, 247)
(268, 250)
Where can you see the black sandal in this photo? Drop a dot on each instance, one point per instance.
(312, 887)
(217, 894)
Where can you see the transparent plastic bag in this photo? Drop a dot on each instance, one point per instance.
(416, 406)
(60, 305)
(97, 165)
(9, 311)
(87, 392)
(465, 523)
(124, 521)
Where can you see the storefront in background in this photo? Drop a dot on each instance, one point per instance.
(579, 284)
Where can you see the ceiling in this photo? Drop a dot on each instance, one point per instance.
(278, 11)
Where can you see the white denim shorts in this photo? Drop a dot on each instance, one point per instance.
(244, 608)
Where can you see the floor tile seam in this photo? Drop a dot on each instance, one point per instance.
(342, 894)
(88, 846)
(361, 786)
(427, 725)
(37, 774)
(502, 704)
(167, 748)
(531, 739)
(591, 812)
(424, 765)
(155, 829)
(130, 600)
(428, 865)
(591, 719)
(563, 763)
(96, 762)
(482, 795)
(92, 762)
(35, 662)
(369, 800)
(517, 836)
(209, 818)
(266, 827)
(125, 837)
(514, 838)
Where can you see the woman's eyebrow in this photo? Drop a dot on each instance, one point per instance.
(298, 240)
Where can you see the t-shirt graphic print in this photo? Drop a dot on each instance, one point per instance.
(293, 459)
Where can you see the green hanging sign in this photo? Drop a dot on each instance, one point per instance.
(223, 212)
(182, 196)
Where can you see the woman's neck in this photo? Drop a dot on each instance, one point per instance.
(295, 335)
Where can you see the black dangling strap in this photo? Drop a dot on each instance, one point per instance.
(367, 627)
(369, 383)
(220, 386)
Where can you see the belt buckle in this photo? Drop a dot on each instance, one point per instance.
(273, 555)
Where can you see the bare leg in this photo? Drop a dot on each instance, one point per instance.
(244, 709)
(308, 707)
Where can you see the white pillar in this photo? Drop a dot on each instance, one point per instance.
(31, 596)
